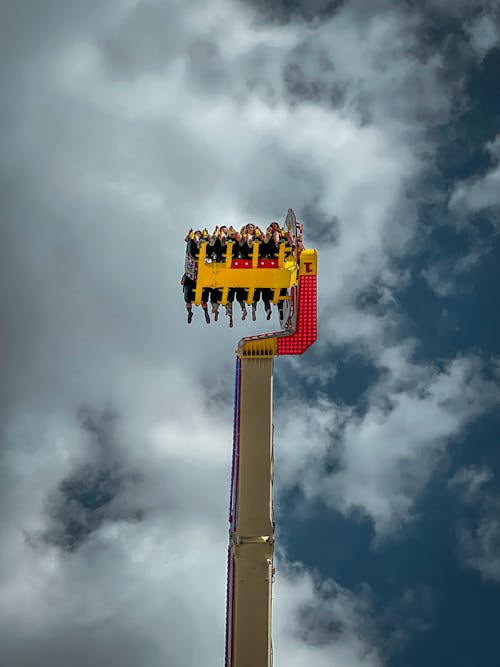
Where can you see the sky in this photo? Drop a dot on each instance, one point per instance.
(123, 124)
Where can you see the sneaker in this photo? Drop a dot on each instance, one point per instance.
(207, 317)
(230, 321)
(254, 315)
(244, 315)
(190, 316)
(216, 315)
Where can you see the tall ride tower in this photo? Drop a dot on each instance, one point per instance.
(291, 276)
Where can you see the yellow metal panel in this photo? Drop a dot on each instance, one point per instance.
(217, 275)
(308, 263)
(260, 347)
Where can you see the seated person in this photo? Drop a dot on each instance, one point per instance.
(188, 280)
(189, 288)
(193, 241)
(241, 294)
(217, 244)
(246, 241)
(267, 295)
(215, 297)
(272, 239)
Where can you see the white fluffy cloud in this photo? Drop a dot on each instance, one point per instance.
(319, 622)
(484, 34)
(479, 537)
(381, 459)
(481, 193)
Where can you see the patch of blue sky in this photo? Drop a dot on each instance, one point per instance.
(431, 608)
(461, 152)
(451, 312)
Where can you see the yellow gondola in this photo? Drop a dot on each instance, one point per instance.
(279, 273)
(249, 273)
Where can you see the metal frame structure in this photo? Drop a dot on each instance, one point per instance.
(251, 520)
(291, 275)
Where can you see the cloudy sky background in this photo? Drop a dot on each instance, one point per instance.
(123, 124)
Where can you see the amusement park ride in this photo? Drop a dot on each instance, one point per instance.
(291, 275)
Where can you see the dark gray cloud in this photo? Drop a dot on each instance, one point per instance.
(208, 67)
(284, 11)
(437, 17)
(299, 85)
(318, 628)
(327, 71)
(96, 492)
(323, 230)
(334, 616)
(413, 612)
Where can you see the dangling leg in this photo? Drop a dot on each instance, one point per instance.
(207, 316)
(241, 296)
(229, 304)
(205, 295)
(187, 288)
(267, 307)
(254, 311)
(215, 296)
(229, 312)
(243, 309)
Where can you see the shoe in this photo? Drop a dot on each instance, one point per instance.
(244, 315)
(190, 316)
(207, 317)
(216, 315)
(254, 315)
(230, 321)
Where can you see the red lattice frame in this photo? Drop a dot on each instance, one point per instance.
(307, 328)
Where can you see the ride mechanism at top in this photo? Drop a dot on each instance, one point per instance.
(276, 266)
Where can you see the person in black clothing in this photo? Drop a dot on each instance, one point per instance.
(188, 280)
(188, 287)
(246, 241)
(266, 295)
(241, 294)
(271, 241)
(217, 244)
(215, 297)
